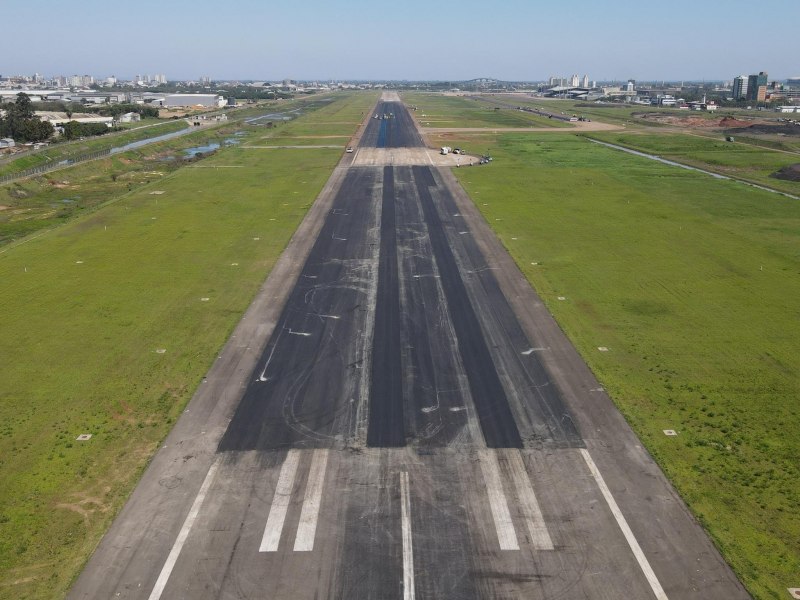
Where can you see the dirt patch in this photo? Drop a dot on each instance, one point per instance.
(767, 129)
(694, 122)
(734, 122)
(788, 173)
(17, 193)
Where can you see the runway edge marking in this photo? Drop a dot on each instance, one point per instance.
(626, 530)
(280, 503)
(408, 550)
(172, 558)
(306, 530)
(506, 535)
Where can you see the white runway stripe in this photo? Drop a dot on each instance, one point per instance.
(498, 504)
(540, 537)
(166, 570)
(626, 530)
(408, 551)
(306, 530)
(280, 503)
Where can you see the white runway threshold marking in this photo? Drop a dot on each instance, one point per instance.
(306, 530)
(280, 503)
(497, 501)
(540, 537)
(626, 530)
(166, 570)
(408, 550)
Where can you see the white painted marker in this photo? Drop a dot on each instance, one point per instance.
(166, 570)
(302, 333)
(408, 550)
(280, 503)
(306, 530)
(540, 537)
(506, 535)
(626, 530)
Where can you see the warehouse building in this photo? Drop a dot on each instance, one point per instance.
(189, 100)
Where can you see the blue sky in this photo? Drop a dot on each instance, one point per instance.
(412, 39)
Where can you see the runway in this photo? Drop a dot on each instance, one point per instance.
(398, 416)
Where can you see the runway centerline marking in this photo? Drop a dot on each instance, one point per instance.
(306, 530)
(280, 503)
(626, 530)
(408, 550)
(540, 537)
(172, 558)
(506, 535)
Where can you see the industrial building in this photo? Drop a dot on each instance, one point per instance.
(190, 100)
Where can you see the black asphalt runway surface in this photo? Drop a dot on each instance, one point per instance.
(398, 417)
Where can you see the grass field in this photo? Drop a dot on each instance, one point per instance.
(87, 308)
(41, 202)
(693, 285)
(462, 111)
(744, 161)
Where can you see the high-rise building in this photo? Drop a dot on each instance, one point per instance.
(573, 81)
(740, 87)
(757, 87)
(585, 83)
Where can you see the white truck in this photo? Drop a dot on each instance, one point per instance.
(446, 150)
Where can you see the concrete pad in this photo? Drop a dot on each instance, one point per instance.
(407, 157)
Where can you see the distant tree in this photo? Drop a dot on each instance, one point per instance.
(22, 124)
(22, 107)
(74, 130)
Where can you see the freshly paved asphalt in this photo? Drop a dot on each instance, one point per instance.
(398, 416)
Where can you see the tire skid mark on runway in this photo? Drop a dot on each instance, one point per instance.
(307, 390)
(488, 395)
(644, 564)
(386, 427)
(435, 383)
(172, 558)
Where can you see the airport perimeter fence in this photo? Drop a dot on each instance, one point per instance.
(54, 166)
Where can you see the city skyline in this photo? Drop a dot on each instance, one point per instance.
(511, 41)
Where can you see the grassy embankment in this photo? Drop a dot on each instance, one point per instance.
(434, 110)
(87, 305)
(49, 200)
(693, 285)
(61, 151)
(743, 161)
